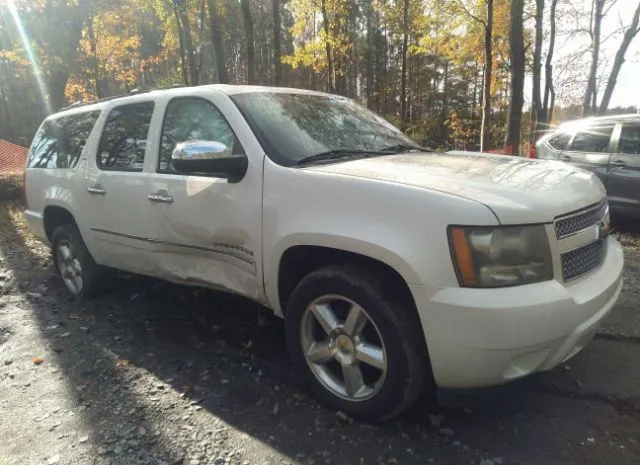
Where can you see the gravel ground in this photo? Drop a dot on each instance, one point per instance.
(154, 373)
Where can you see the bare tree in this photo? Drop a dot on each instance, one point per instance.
(536, 100)
(216, 39)
(276, 41)
(549, 92)
(598, 12)
(248, 28)
(331, 72)
(487, 25)
(516, 45)
(188, 42)
(629, 34)
(405, 45)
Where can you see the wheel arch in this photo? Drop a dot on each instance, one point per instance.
(297, 258)
(54, 216)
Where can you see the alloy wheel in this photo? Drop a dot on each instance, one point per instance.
(343, 347)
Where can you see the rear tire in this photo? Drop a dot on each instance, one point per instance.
(358, 348)
(74, 264)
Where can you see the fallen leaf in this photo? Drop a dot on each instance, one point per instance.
(38, 360)
(123, 363)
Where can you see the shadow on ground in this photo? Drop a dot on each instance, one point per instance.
(144, 339)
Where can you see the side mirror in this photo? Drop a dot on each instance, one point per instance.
(208, 158)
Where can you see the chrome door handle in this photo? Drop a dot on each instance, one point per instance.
(96, 189)
(619, 163)
(564, 158)
(162, 196)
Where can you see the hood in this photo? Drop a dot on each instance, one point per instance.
(518, 190)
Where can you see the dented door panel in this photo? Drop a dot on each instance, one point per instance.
(209, 234)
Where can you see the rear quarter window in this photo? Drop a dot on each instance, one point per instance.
(560, 141)
(592, 139)
(59, 142)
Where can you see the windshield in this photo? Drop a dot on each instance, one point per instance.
(292, 127)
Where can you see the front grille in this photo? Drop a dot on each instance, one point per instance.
(581, 220)
(582, 260)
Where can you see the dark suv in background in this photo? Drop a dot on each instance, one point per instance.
(608, 146)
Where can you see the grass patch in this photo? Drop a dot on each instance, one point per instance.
(11, 188)
(13, 227)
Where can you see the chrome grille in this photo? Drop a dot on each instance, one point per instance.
(579, 261)
(578, 221)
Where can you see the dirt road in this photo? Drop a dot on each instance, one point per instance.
(153, 373)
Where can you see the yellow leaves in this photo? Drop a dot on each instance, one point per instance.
(112, 47)
(14, 56)
(38, 360)
(311, 36)
(76, 90)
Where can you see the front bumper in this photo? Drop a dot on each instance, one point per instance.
(483, 337)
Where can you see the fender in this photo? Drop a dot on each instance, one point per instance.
(347, 244)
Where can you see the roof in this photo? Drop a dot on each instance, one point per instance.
(142, 94)
(604, 119)
(12, 157)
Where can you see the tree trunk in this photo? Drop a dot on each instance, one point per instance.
(95, 65)
(183, 58)
(276, 42)
(370, 51)
(7, 115)
(628, 37)
(536, 100)
(403, 82)
(188, 48)
(516, 43)
(216, 39)
(545, 114)
(485, 125)
(56, 85)
(588, 103)
(248, 28)
(331, 72)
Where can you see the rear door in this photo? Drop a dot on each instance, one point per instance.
(116, 189)
(590, 149)
(624, 171)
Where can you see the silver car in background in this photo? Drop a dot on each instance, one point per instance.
(608, 146)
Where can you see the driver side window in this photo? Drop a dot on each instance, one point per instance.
(193, 118)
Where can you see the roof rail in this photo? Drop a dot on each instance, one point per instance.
(106, 99)
(139, 91)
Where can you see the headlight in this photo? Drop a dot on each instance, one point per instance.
(500, 256)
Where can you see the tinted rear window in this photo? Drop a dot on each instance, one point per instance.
(124, 137)
(630, 139)
(592, 139)
(59, 142)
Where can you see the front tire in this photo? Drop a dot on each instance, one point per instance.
(358, 348)
(74, 264)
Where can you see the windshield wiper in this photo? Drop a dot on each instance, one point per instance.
(405, 148)
(338, 154)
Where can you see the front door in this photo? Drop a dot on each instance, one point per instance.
(115, 195)
(590, 149)
(207, 229)
(624, 171)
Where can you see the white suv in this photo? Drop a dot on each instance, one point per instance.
(396, 270)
